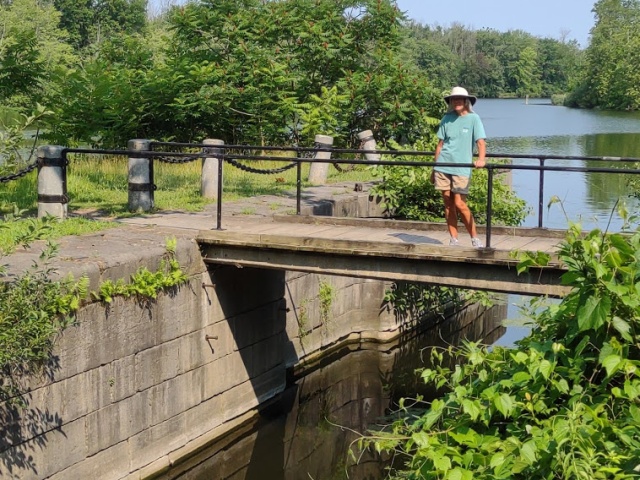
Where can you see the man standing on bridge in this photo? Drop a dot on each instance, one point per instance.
(460, 130)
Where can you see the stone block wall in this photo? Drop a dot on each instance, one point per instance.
(135, 387)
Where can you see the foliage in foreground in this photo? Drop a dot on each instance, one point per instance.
(562, 404)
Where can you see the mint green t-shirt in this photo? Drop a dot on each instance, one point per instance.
(459, 134)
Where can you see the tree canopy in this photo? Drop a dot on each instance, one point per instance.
(610, 79)
(281, 71)
(257, 72)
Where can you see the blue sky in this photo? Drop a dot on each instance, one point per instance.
(542, 18)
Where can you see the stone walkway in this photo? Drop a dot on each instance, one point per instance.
(341, 200)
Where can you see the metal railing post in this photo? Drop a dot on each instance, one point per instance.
(219, 199)
(209, 180)
(489, 205)
(299, 185)
(541, 193)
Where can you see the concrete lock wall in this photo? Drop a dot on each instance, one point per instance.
(137, 386)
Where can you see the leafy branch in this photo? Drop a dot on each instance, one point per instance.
(562, 404)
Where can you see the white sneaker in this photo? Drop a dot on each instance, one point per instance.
(476, 243)
(453, 242)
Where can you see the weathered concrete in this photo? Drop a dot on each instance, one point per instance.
(137, 386)
(392, 254)
(319, 169)
(315, 422)
(52, 182)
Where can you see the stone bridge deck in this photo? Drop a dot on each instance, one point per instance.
(386, 250)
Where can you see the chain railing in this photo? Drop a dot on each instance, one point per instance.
(241, 156)
(20, 173)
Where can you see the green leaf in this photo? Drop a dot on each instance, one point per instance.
(504, 404)
(632, 389)
(545, 368)
(421, 439)
(623, 327)
(497, 460)
(612, 364)
(593, 314)
(521, 377)
(471, 408)
(459, 474)
(528, 452)
(441, 463)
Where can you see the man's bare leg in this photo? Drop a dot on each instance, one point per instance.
(460, 204)
(450, 212)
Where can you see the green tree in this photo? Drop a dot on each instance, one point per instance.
(247, 71)
(610, 78)
(425, 48)
(491, 63)
(560, 64)
(32, 48)
(525, 73)
(94, 21)
(20, 67)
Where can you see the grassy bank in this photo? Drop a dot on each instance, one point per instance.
(100, 183)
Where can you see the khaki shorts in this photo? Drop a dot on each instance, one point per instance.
(455, 183)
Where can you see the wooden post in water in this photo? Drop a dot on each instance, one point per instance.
(209, 182)
(141, 187)
(319, 170)
(52, 182)
(367, 142)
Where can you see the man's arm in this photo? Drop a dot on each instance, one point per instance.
(482, 151)
(438, 150)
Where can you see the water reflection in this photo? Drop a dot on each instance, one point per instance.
(308, 433)
(542, 129)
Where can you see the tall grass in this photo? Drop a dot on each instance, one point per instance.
(100, 183)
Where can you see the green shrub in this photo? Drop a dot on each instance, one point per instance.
(563, 404)
(407, 192)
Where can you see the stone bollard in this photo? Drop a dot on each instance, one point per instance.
(367, 142)
(141, 187)
(52, 182)
(319, 170)
(210, 164)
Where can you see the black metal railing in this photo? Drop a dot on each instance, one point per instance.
(237, 155)
(229, 154)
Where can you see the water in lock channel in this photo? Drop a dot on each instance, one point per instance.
(307, 434)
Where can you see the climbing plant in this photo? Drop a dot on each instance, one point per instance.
(35, 307)
(144, 283)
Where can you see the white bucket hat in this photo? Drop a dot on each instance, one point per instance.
(460, 92)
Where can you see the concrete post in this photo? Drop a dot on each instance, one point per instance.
(209, 182)
(367, 142)
(141, 187)
(319, 170)
(52, 182)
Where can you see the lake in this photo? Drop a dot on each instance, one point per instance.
(539, 128)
